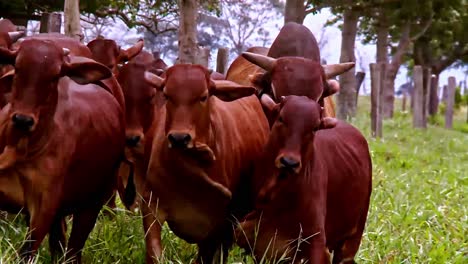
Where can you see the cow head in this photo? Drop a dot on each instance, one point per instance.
(140, 99)
(38, 66)
(296, 76)
(107, 52)
(190, 94)
(297, 118)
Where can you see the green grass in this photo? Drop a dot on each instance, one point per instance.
(418, 214)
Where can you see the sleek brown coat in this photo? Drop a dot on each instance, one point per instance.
(205, 142)
(62, 140)
(313, 186)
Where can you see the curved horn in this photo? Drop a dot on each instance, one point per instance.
(332, 70)
(65, 51)
(15, 35)
(263, 61)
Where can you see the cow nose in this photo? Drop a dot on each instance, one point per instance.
(132, 141)
(22, 122)
(179, 140)
(289, 163)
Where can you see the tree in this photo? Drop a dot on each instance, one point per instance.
(20, 11)
(394, 27)
(445, 43)
(72, 19)
(245, 20)
(188, 45)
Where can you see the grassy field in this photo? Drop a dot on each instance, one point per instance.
(419, 206)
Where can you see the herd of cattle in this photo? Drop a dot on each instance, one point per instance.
(254, 157)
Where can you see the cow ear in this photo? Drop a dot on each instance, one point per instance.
(257, 78)
(84, 70)
(229, 91)
(328, 122)
(270, 108)
(8, 56)
(128, 54)
(154, 80)
(6, 81)
(268, 103)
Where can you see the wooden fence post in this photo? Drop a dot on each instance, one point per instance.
(376, 72)
(359, 80)
(203, 56)
(450, 102)
(434, 96)
(403, 102)
(418, 94)
(427, 89)
(444, 94)
(50, 22)
(222, 60)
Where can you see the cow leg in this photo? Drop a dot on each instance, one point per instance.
(215, 248)
(83, 223)
(345, 254)
(152, 225)
(42, 215)
(57, 239)
(347, 251)
(318, 252)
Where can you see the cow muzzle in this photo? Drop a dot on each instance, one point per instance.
(180, 140)
(289, 163)
(132, 141)
(22, 122)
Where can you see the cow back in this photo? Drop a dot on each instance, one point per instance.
(295, 40)
(76, 47)
(240, 68)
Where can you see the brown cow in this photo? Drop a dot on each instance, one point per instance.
(10, 191)
(298, 71)
(155, 65)
(63, 140)
(313, 187)
(203, 148)
(107, 52)
(142, 101)
(240, 69)
(74, 46)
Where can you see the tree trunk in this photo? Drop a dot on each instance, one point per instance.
(188, 46)
(392, 71)
(294, 11)
(347, 95)
(72, 19)
(382, 37)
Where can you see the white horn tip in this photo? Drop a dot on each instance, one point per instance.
(66, 51)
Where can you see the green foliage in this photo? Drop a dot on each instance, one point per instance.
(30, 7)
(417, 215)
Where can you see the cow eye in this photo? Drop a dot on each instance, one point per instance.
(280, 119)
(203, 98)
(165, 96)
